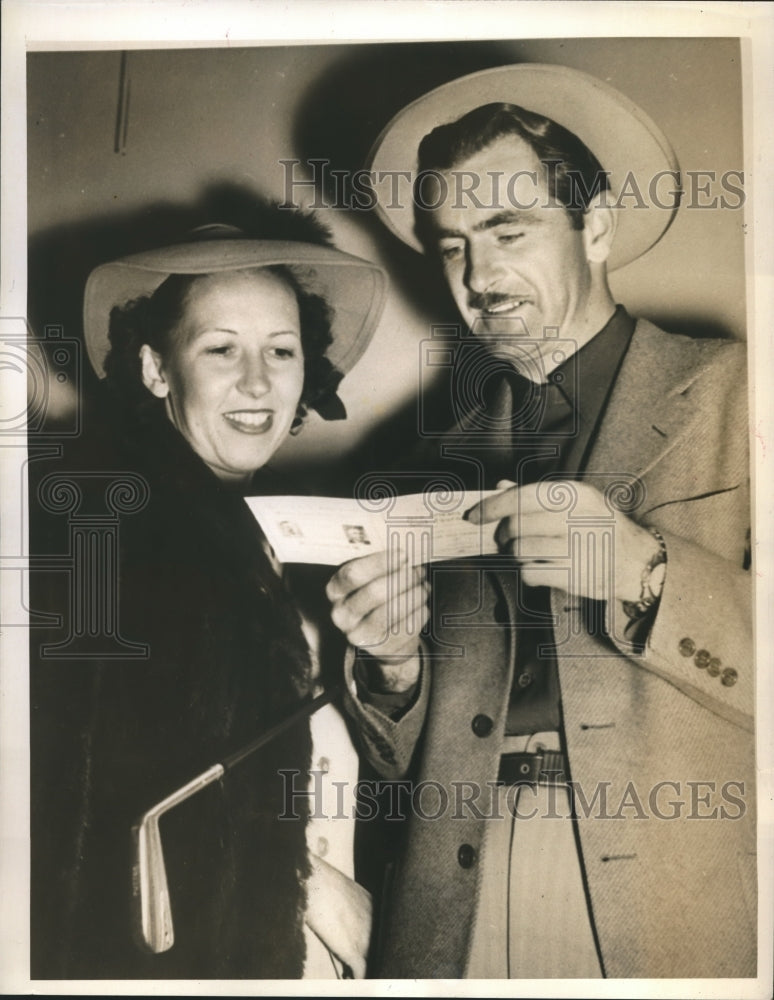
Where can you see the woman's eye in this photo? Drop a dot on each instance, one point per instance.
(221, 350)
(283, 353)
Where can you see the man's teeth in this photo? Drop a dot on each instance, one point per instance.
(248, 417)
(506, 306)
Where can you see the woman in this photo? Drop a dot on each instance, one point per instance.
(212, 351)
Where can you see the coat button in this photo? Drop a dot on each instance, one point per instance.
(324, 765)
(524, 679)
(713, 667)
(322, 847)
(687, 647)
(482, 725)
(702, 659)
(729, 677)
(466, 855)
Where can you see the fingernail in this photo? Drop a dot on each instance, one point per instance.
(466, 514)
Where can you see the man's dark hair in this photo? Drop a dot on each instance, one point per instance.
(573, 174)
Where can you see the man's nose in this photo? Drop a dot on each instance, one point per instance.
(482, 268)
(253, 377)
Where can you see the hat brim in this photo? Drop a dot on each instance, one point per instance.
(354, 288)
(643, 168)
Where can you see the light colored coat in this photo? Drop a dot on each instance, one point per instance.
(670, 897)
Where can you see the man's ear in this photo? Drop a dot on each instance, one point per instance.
(598, 232)
(152, 373)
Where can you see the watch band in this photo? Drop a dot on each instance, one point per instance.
(651, 581)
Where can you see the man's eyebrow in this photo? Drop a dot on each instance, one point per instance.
(509, 216)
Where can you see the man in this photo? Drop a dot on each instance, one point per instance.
(582, 707)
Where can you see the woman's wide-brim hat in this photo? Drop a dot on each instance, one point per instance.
(352, 287)
(642, 166)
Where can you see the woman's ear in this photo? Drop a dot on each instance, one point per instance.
(152, 373)
(599, 232)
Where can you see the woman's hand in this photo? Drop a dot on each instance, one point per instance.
(339, 912)
(380, 604)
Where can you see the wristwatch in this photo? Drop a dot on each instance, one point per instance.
(651, 581)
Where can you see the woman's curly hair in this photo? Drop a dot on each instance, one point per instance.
(152, 320)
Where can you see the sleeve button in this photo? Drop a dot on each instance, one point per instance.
(466, 855)
(713, 667)
(702, 659)
(729, 677)
(687, 647)
(482, 725)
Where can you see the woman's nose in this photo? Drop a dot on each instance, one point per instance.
(253, 378)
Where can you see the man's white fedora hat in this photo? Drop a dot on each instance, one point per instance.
(352, 287)
(642, 166)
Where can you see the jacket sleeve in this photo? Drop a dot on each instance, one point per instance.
(701, 638)
(388, 743)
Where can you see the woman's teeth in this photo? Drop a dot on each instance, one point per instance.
(250, 419)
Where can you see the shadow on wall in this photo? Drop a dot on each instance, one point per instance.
(340, 118)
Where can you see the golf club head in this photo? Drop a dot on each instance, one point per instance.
(149, 881)
(153, 925)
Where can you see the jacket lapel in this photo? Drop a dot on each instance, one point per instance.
(649, 410)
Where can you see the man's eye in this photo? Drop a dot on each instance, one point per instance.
(506, 238)
(450, 252)
(221, 350)
(283, 353)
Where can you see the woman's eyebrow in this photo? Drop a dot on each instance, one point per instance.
(236, 333)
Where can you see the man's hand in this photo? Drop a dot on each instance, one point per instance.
(590, 550)
(380, 604)
(339, 912)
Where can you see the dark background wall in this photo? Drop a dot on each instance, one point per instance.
(204, 131)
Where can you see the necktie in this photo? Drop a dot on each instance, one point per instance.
(540, 413)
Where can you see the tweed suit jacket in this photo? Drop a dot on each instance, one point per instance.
(659, 743)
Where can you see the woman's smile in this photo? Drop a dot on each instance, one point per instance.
(250, 421)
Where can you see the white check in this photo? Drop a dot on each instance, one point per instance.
(329, 531)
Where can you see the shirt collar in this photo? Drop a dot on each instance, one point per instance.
(586, 377)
